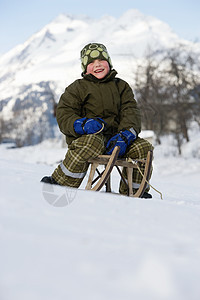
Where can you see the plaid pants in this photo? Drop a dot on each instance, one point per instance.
(74, 167)
(137, 150)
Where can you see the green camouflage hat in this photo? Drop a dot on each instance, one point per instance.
(94, 51)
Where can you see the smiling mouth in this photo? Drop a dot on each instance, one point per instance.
(98, 70)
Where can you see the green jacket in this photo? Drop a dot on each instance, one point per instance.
(110, 98)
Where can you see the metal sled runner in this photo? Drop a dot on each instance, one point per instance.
(111, 161)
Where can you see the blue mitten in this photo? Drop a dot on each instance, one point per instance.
(88, 126)
(122, 139)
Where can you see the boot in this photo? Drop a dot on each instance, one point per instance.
(49, 179)
(146, 195)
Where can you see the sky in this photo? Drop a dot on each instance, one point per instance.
(19, 19)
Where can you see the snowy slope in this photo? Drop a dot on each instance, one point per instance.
(96, 245)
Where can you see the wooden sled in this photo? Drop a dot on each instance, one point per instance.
(111, 161)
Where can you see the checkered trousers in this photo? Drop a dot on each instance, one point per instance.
(137, 150)
(74, 167)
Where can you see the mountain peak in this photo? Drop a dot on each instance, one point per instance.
(34, 74)
(53, 52)
(132, 13)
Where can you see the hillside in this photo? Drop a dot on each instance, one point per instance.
(34, 74)
(93, 245)
(52, 54)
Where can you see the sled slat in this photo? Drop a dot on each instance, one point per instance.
(108, 170)
(109, 161)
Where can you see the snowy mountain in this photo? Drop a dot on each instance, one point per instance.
(52, 56)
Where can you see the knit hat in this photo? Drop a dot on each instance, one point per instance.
(94, 51)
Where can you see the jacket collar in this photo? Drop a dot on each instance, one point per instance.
(110, 76)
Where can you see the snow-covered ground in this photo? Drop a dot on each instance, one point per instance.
(59, 243)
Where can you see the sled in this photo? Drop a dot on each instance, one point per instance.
(111, 161)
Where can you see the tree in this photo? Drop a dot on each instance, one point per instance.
(167, 86)
(150, 90)
(2, 129)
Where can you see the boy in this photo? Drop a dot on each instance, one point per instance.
(97, 113)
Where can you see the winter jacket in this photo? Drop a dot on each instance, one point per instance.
(110, 98)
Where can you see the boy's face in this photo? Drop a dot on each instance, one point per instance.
(98, 68)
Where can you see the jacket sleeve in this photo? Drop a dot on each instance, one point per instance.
(130, 116)
(69, 109)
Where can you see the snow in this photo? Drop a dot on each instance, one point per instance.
(41, 68)
(52, 54)
(63, 243)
